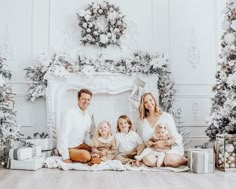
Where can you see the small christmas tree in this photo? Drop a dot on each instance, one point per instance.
(223, 111)
(183, 131)
(9, 131)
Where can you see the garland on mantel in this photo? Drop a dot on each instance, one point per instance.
(139, 63)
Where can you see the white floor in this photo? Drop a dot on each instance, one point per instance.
(58, 179)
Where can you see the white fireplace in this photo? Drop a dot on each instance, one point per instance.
(110, 99)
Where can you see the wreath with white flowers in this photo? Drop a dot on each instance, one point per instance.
(140, 62)
(92, 34)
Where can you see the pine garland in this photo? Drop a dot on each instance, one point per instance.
(140, 62)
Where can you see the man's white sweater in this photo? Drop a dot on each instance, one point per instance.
(74, 131)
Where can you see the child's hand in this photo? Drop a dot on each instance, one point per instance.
(95, 156)
(100, 154)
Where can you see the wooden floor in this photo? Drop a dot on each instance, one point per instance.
(58, 179)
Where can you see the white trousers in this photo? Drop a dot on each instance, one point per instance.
(148, 151)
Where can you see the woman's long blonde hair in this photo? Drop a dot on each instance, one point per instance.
(143, 112)
(97, 135)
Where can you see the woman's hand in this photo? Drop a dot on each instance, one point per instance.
(162, 144)
(150, 143)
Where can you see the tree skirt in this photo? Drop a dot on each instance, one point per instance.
(113, 165)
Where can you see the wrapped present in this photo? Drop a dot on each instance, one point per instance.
(21, 153)
(45, 143)
(46, 153)
(201, 160)
(36, 151)
(226, 152)
(29, 164)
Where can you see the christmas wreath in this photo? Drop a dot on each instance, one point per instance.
(93, 34)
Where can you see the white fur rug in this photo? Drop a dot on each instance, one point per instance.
(114, 165)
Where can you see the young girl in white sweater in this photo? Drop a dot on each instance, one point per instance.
(128, 142)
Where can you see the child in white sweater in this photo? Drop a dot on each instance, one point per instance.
(128, 142)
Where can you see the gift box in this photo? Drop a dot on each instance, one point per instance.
(29, 164)
(201, 160)
(45, 143)
(36, 151)
(46, 153)
(22, 153)
(225, 146)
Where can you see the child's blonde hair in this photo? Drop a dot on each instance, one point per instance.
(125, 117)
(162, 125)
(97, 134)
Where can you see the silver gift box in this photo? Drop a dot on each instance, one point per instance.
(23, 153)
(201, 160)
(45, 143)
(29, 164)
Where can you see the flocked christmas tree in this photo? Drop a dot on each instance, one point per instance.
(223, 111)
(9, 130)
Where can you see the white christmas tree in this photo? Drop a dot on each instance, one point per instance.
(223, 111)
(9, 130)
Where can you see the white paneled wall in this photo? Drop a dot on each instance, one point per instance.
(187, 30)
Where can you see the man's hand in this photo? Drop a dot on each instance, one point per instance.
(67, 161)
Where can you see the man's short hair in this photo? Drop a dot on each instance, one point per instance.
(84, 91)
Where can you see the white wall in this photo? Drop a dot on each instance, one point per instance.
(188, 30)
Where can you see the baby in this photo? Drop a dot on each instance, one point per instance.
(160, 134)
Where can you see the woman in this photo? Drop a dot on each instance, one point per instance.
(150, 116)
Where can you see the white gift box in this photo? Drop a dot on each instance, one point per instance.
(45, 143)
(22, 153)
(29, 164)
(46, 153)
(36, 150)
(201, 160)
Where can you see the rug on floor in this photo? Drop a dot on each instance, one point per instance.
(114, 165)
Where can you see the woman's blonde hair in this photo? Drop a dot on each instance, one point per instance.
(143, 112)
(97, 134)
(125, 117)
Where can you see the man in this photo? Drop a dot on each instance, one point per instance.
(74, 131)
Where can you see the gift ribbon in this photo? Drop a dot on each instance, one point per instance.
(15, 154)
(206, 160)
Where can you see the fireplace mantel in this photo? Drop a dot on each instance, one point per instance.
(111, 96)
